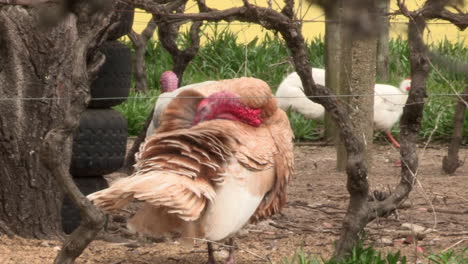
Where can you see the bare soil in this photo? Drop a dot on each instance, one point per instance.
(311, 220)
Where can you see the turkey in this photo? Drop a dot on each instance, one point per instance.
(221, 158)
(169, 84)
(388, 106)
(290, 94)
(388, 101)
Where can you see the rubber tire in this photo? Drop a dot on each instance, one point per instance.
(99, 143)
(70, 213)
(114, 77)
(125, 21)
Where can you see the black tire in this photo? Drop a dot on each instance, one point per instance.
(99, 143)
(114, 77)
(70, 213)
(124, 14)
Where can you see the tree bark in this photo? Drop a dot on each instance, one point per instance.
(45, 77)
(359, 79)
(450, 163)
(383, 41)
(351, 70)
(36, 92)
(333, 41)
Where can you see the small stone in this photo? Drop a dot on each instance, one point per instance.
(57, 248)
(223, 254)
(45, 244)
(242, 233)
(415, 228)
(385, 241)
(409, 239)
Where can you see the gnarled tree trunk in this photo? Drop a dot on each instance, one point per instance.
(44, 86)
(33, 88)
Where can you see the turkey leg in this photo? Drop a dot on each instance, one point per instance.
(230, 259)
(392, 139)
(211, 258)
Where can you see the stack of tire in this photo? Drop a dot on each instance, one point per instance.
(99, 143)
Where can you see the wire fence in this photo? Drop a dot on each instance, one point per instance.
(237, 97)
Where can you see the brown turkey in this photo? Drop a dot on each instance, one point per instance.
(221, 158)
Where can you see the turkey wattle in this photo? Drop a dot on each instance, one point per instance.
(221, 158)
(388, 101)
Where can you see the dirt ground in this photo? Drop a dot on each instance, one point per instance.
(311, 219)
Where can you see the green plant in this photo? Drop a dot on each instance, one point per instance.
(222, 56)
(449, 257)
(300, 257)
(359, 255)
(304, 129)
(136, 109)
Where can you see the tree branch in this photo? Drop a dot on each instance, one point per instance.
(436, 10)
(410, 123)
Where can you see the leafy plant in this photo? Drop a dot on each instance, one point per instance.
(303, 128)
(136, 109)
(449, 257)
(359, 255)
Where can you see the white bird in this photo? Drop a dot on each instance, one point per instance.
(221, 158)
(388, 106)
(290, 94)
(388, 101)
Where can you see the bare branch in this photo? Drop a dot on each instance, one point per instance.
(139, 64)
(23, 2)
(203, 7)
(436, 10)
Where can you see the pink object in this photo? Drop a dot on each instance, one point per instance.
(226, 105)
(169, 81)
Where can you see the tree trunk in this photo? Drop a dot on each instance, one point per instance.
(359, 78)
(44, 80)
(333, 35)
(351, 70)
(450, 163)
(383, 42)
(31, 81)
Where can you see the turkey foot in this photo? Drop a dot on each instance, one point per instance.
(230, 259)
(211, 258)
(392, 139)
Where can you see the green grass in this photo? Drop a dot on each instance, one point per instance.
(369, 255)
(223, 57)
(136, 109)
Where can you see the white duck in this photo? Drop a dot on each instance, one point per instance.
(388, 101)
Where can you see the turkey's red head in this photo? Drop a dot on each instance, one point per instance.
(169, 81)
(405, 85)
(226, 105)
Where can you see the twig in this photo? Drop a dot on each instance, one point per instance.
(464, 233)
(449, 195)
(445, 211)
(455, 244)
